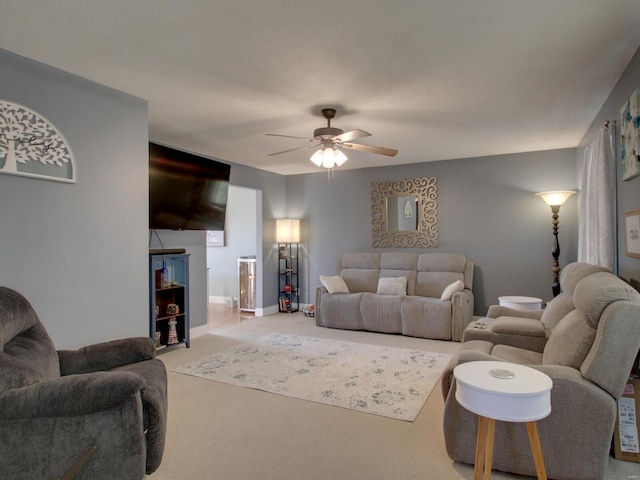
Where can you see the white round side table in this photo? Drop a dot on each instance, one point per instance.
(521, 303)
(507, 392)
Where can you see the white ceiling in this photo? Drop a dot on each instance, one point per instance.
(435, 79)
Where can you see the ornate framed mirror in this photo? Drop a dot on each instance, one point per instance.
(404, 213)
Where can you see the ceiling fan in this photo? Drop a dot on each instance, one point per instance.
(329, 139)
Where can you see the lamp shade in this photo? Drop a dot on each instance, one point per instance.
(288, 230)
(329, 157)
(556, 197)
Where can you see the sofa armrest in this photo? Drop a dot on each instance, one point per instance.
(461, 312)
(320, 291)
(70, 396)
(106, 355)
(496, 311)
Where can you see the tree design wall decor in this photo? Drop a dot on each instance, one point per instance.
(32, 146)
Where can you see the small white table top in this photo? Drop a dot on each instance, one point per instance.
(521, 303)
(503, 391)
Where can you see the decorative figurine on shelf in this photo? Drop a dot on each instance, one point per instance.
(158, 335)
(173, 332)
(157, 310)
(287, 288)
(164, 275)
(173, 309)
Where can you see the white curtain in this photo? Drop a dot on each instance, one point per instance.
(597, 234)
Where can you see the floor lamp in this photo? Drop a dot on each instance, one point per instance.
(555, 200)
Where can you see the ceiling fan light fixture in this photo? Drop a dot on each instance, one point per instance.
(317, 157)
(340, 157)
(329, 157)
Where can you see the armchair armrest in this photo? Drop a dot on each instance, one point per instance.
(496, 311)
(69, 396)
(461, 312)
(106, 355)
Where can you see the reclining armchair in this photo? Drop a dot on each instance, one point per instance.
(530, 329)
(94, 413)
(589, 356)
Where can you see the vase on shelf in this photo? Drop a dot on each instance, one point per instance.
(164, 275)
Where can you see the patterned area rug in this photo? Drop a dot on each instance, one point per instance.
(392, 382)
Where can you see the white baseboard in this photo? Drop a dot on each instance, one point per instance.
(217, 299)
(198, 331)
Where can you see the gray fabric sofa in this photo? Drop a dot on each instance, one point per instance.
(589, 355)
(57, 406)
(419, 313)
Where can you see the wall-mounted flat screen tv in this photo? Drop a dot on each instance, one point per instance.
(186, 192)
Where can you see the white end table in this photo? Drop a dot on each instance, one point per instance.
(521, 303)
(507, 392)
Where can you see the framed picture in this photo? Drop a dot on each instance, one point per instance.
(630, 136)
(215, 238)
(632, 233)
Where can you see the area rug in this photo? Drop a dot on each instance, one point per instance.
(392, 382)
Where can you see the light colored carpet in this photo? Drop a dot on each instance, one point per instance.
(217, 431)
(388, 381)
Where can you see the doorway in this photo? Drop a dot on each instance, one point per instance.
(242, 237)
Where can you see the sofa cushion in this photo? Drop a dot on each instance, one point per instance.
(521, 356)
(27, 354)
(381, 313)
(400, 264)
(410, 275)
(556, 310)
(426, 318)
(360, 260)
(399, 261)
(452, 288)
(392, 286)
(342, 310)
(571, 275)
(441, 262)
(334, 284)
(595, 292)
(570, 341)
(432, 284)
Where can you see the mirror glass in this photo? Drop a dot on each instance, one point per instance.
(405, 213)
(402, 213)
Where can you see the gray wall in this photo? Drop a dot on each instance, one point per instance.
(486, 211)
(78, 252)
(628, 193)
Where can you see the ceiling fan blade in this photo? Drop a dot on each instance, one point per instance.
(290, 136)
(294, 149)
(351, 135)
(390, 152)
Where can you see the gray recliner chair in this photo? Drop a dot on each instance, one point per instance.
(589, 356)
(94, 413)
(530, 329)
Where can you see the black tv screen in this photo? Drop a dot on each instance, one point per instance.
(186, 192)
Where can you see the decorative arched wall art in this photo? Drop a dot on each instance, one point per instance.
(388, 229)
(32, 146)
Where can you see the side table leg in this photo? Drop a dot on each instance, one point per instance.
(536, 450)
(481, 445)
(488, 456)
